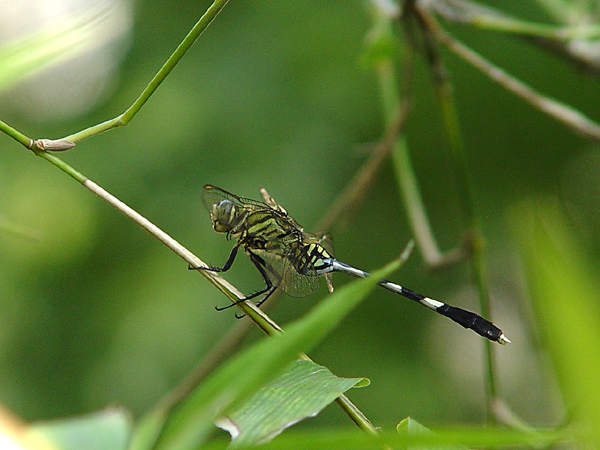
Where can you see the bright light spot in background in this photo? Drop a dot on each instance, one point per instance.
(59, 57)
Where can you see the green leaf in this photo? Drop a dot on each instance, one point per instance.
(105, 430)
(188, 427)
(410, 427)
(301, 391)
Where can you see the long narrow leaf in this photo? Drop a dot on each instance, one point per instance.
(189, 426)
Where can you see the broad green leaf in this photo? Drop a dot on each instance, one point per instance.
(301, 391)
(104, 430)
(237, 379)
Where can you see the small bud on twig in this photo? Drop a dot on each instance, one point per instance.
(54, 145)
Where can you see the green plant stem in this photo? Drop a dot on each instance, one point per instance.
(561, 112)
(16, 135)
(485, 17)
(524, 28)
(466, 192)
(409, 188)
(185, 45)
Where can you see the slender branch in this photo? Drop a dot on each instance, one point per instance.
(486, 17)
(409, 188)
(575, 43)
(185, 45)
(16, 135)
(562, 112)
(466, 193)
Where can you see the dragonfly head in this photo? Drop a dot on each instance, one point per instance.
(223, 215)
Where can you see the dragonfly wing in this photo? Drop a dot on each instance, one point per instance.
(297, 285)
(282, 273)
(213, 195)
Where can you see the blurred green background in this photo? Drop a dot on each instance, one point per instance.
(95, 312)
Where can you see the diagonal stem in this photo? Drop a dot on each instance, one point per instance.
(409, 188)
(561, 112)
(188, 41)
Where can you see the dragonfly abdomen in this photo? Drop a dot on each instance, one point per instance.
(311, 259)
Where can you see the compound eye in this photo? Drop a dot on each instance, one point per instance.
(223, 214)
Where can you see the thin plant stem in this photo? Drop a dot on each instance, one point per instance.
(188, 41)
(16, 135)
(466, 193)
(574, 43)
(485, 17)
(409, 189)
(565, 114)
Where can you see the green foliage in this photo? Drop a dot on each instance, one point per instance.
(301, 391)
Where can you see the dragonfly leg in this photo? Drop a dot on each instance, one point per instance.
(267, 293)
(227, 264)
(268, 289)
(260, 264)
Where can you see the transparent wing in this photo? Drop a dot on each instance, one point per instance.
(213, 195)
(282, 272)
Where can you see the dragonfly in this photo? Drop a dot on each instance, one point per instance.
(293, 260)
